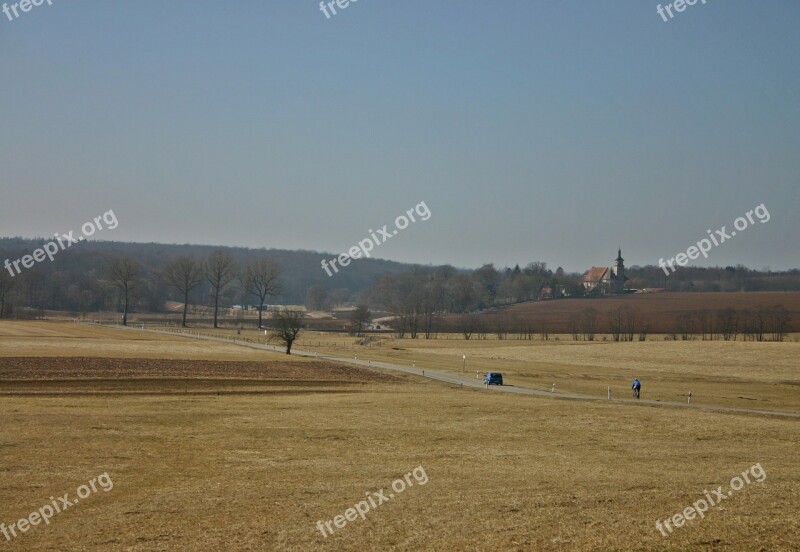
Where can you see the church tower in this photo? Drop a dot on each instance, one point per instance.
(618, 275)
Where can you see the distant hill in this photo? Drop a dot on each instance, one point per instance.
(87, 261)
(76, 281)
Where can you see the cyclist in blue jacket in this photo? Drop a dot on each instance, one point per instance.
(637, 388)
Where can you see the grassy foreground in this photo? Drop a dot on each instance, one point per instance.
(256, 466)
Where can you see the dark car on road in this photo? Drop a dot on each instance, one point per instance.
(493, 378)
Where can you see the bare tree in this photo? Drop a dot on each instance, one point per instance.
(317, 298)
(631, 322)
(643, 327)
(685, 325)
(220, 271)
(481, 327)
(184, 274)
(529, 329)
(756, 323)
(778, 322)
(399, 294)
(727, 324)
(589, 323)
(6, 285)
(288, 324)
(462, 292)
(624, 322)
(745, 322)
(467, 323)
(500, 323)
(575, 326)
(359, 319)
(706, 323)
(262, 279)
(124, 275)
(615, 323)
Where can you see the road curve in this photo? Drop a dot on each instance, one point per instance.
(462, 380)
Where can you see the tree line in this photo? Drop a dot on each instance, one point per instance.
(80, 281)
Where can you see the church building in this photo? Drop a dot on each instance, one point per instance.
(601, 280)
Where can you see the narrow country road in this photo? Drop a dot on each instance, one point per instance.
(463, 380)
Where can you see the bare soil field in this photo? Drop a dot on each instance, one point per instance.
(257, 471)
(661, 310)
(48, 368)
(92, 375)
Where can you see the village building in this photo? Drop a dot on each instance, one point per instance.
(602, 280)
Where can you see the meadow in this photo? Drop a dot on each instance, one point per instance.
(213, 446)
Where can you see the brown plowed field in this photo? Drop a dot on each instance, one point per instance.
(660, 309)
(49, 368)
(104, 376)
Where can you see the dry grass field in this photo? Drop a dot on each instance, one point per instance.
(763, 375)
(212, 446)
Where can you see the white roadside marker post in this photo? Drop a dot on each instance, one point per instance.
(690, 397)
(609, 392)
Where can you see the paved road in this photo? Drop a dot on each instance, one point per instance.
(464, 380)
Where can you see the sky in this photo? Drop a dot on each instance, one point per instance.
(532, 130)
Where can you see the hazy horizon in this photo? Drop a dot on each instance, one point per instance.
(533, 131)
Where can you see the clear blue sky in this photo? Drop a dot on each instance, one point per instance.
(533, 130)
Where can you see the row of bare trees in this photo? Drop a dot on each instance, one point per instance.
(758, 324)
(260, 278)
(415, 298)
(623, 323)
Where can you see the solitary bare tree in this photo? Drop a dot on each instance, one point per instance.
(288, 324)
(261, 278)
(124, 275)
(184, 274)
(220, 270)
